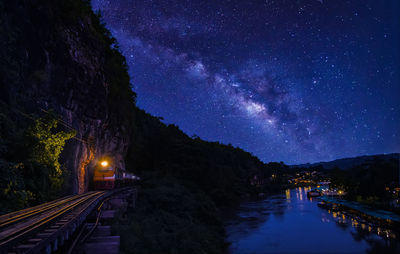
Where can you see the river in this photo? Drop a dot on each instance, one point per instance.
(293, 223)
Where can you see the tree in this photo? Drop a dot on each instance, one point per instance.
(47, 145)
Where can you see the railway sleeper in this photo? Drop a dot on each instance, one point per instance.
(43, 235)
(34, 240)
(23, 247)
(50, 230)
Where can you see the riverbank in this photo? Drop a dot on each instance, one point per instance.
(174, 216)
(366, 215)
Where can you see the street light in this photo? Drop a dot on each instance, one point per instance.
(104, 163)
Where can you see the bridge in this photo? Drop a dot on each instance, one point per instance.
(48, 227)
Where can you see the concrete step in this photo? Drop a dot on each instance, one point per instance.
(104, 239)
(102, 231)
(103, 245)
(116, 202)
(107, 214)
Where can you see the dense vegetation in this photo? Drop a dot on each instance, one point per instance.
(171, 218)
(372, 183)
(186, 183)
(29, 151)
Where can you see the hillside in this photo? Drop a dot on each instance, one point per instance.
(347, 163)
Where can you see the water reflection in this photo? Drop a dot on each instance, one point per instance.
(293, 223)
(287, 192)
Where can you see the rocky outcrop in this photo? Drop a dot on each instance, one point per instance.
(64, 56)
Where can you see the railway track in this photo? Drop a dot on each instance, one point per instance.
(43, 228)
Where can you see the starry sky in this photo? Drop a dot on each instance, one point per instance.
(287, 80)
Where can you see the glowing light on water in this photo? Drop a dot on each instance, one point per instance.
(287, 195)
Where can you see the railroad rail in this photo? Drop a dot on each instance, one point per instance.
(43, 228)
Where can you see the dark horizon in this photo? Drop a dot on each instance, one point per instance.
(343, 158)
(299, 82)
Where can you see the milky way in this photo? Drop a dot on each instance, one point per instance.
(289, 80)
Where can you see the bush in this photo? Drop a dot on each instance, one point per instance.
(29, 153)
(171, 218)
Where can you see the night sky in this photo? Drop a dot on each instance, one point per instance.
(287, 80)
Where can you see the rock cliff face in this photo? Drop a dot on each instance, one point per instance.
(62, 60)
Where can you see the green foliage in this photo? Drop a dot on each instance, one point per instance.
(48, 145)
(46, 148)
(367, 183)
(370, 200)
(13, 194)
(29, 153)
(171, 218)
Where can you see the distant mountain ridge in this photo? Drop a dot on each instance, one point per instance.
(347, 163)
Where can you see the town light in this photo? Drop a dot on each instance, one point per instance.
(104, 163)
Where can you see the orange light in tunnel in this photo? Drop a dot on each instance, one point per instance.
(104, 163)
